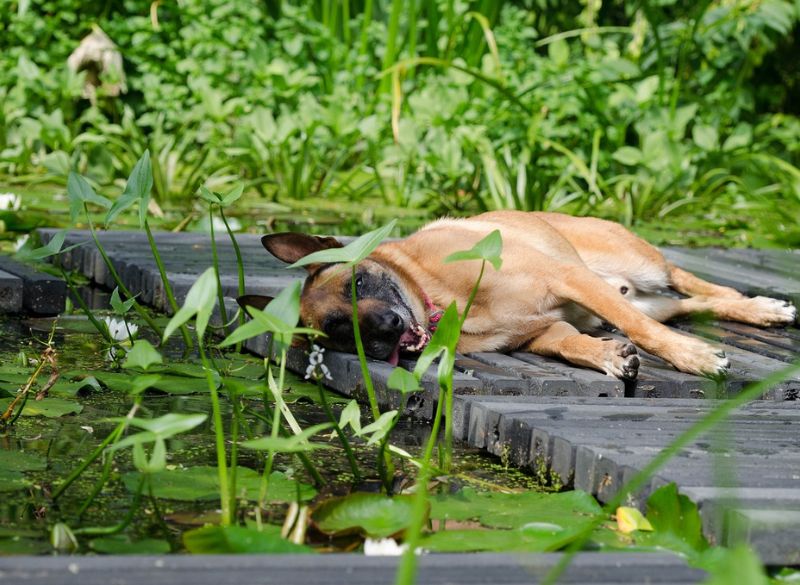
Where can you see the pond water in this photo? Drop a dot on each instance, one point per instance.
(38, 452)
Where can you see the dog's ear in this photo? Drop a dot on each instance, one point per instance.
(256, 301)
(291, 247)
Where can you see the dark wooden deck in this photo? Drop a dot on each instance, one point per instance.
(593, 431)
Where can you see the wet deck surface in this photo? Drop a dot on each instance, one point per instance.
(593, 431)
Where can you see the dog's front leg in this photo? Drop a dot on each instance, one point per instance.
(688, 354)
(612, 357)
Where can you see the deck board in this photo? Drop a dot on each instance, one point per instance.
(589, 430)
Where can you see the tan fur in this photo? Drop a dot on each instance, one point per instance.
(554, 266)
(560, 277)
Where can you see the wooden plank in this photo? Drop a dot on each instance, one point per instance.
(42, 293)
(346, 569)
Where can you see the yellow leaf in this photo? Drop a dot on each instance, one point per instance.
(630, 519)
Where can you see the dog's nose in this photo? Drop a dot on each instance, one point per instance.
(388, 322)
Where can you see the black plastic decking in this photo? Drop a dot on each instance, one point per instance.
(590, 430)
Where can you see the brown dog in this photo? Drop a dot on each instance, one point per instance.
(560, 275)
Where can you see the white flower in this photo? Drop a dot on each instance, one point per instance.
(9, 201)
(119, 329)
(316, 369)
(385, 547)
(20, 242)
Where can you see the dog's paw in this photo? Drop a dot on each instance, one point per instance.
(768, 311)
(621, 360)
(698, 357)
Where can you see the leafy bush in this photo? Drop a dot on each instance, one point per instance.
(627, 111)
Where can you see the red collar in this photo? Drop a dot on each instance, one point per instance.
(434, 313)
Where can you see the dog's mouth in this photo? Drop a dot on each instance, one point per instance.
(413, 340)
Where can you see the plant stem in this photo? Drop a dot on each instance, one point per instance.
(215, 261)
(115, 276)
(187, 339)
(222, 464)
(111, 438)
(408, 563)
(342, 437)
(107, 530)
(239, 266)
(387, 470)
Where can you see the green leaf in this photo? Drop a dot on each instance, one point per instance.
(208, 195)
(558, 51)
(673, 513)
(378, 429)
(141, 383)
(11, 481)
(169, 424)
(489, 248)
(120, 307)
(279, 317)
(536, 537)
(732, 565)
(121, 544)
(351, 415)
(21, 461)
(238, 540)
(142, 355)
(351, 254)
(138, 188)
(295, 444)
(706, 137)
(741, 137)
(79, 192)
(628, 155)
(515, 510)
(442, 344)
(202, 483)
(403, 381)
(122, 382)
(52, 248)
(233, 195)
(199, 301)
(47, 407)
(371, 514)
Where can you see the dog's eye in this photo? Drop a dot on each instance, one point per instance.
(359, 282)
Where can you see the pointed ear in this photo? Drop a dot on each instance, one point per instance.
(257, 301)
(291, 247)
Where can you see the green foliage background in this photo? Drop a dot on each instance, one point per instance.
(649, 112)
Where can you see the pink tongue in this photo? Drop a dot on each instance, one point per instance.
(394, 359)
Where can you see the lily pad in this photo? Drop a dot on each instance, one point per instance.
(373, 515)
(202, 483)
(11, 481)
(538, 537)
(120, 544)
(238, 539)
(21, 461)
(23, 546)
(166, 383)
(47, 407)
(515, 510)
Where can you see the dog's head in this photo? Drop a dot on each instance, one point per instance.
(392, 316)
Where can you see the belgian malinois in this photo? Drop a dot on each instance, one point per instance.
(560, 276)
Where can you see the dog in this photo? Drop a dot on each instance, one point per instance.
(560, 277)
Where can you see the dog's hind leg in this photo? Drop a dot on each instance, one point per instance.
(607, 355)
(687, 283)
(688, 354)
(724, 303)
(761, 311)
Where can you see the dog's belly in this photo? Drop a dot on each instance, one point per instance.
(518, 330)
